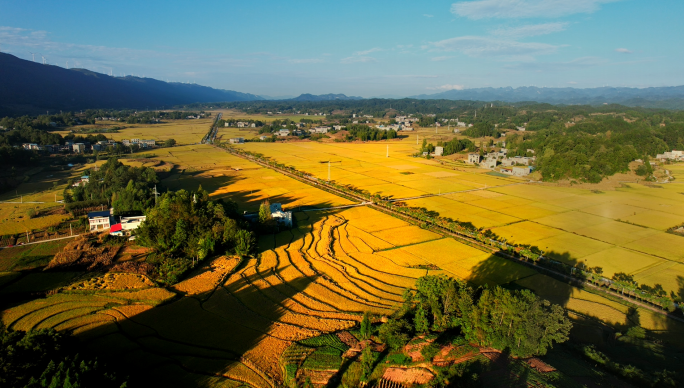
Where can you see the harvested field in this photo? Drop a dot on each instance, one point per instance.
(113, 281)
(408, 376)
(576, 224)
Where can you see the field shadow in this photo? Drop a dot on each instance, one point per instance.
(551, 282)
(195, 341)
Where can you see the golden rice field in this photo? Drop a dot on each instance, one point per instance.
(620, 230)
(183, 131)
(318, 277)
(597, 306)
(229, 321)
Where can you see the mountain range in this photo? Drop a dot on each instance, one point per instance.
(662, 97)
(27, 87)
(324, 97)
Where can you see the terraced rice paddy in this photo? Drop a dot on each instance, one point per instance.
(621, 230)
(229, 322)
(316, 278)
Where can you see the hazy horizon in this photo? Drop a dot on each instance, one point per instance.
(358, 49)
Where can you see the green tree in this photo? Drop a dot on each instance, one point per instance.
(366, 326)
(265, 216)
(169, 142)
(187, 225)
(367, 362)
(420, 321)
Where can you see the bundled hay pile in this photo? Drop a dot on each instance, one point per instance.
(82, 252)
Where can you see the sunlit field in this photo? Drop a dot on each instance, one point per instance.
(620, 230)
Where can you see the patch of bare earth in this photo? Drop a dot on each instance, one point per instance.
(446, 356)
(408, 376)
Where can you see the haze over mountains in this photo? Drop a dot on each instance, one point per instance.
(27, 87)
(647, 97)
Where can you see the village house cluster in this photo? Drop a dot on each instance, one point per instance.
(516, 166)
(672, 155)
(240, 124)
(70, 146)
(101, 221)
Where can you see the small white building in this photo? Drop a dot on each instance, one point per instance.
(263, 137)
(126, 226)
(237, 140)
(100, 220)
(280, 216)
(78, 147)
(473, 158)
(284, 132)
(147, 143)
(489, 163)
(439, 151)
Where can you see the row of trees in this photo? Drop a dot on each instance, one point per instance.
(366, 133)
(518, 321)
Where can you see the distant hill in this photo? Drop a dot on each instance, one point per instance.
(324, 97)
(659, 97)
(27, 87)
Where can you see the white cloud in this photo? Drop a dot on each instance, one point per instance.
(366, 52)
(427, 15)
(530, 30)
(623, 50)
(306, 60)
(442, 58)
(480, 46)
(357, 59)
(447, 87)
(515, 9)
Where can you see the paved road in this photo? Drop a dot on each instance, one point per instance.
(40, 242)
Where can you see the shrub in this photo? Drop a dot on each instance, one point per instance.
(636, 332)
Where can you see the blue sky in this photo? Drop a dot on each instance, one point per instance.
(365, 48)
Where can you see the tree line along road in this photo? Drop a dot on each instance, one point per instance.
(461, 238)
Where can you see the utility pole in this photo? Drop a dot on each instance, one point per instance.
(71, 231)
(27, 236)
(155, 194)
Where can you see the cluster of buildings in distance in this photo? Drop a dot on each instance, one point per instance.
(672, 155)
(516, 166)
(70, 146)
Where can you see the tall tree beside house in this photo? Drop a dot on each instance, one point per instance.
(265, 212)
(186, 227)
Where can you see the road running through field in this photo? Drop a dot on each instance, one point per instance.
(40, 242)
(458, 237)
